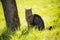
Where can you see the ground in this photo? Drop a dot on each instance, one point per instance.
(49, 10)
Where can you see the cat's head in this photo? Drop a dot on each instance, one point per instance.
(28, 11)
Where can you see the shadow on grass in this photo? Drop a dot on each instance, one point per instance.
(6, 35)
(24, 32)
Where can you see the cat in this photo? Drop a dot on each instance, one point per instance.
(34, 20)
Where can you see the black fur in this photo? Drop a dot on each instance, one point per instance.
(50, 28)
(34, 19)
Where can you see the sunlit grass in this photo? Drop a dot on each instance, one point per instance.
(47, 9)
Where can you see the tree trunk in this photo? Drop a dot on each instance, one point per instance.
(11, 14)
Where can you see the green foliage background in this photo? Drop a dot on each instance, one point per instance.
(49, 10)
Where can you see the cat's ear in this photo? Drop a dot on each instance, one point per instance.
(30, 8)
(25, 8)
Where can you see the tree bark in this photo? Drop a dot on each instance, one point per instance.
(11, 14)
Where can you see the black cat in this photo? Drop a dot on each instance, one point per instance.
(34, 19)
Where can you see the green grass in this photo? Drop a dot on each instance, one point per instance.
(49, 10)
